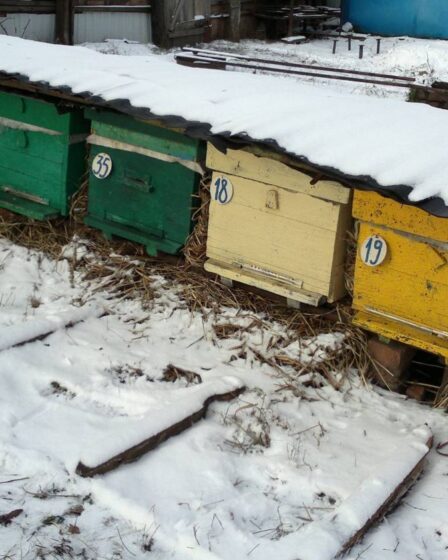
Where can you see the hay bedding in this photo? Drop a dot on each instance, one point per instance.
(124, 269)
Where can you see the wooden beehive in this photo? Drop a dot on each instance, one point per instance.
(142, 182)
(42, 155)
(279, 230)
(403, 293)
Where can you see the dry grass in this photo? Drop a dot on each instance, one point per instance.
(196, 245)
(350, 261)
(123, 268)
(441, 400)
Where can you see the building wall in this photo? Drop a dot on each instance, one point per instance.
(95, 27)
(38, 27)
(94, 20)
(416, 18)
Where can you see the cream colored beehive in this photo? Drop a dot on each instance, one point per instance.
(275, 228)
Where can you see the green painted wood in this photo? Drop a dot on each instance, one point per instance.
(38, 164)
(139, 133)
(31, 209)
(37, 112)
(144, 199)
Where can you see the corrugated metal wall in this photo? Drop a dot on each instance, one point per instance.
(38, 27)
(94, 27)
(90, 27)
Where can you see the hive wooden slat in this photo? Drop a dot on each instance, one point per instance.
(267, 170)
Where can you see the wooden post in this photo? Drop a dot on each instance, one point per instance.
(235, 20)
(291, 19)
(64, 22)
(160, 23)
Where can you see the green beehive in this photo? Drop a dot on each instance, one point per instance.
(143, 178)
(42, 155)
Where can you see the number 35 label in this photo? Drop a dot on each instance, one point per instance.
(222, 190)
(373, 250)
(102, 166)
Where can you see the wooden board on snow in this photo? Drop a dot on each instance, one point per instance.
(334, 535)
(136, 451)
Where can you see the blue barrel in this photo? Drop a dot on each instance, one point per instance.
(416, 18)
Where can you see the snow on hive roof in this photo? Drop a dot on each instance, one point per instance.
(395, 143)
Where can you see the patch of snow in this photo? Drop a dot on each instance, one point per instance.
(362, 136)
(251, 480)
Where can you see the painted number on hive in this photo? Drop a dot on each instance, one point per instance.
(222, 190)
(102, 166)
(373, 250)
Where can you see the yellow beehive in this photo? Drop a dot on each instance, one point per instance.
(401, 283)
(273, 227)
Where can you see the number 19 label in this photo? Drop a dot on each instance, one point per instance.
(222, 190)
(373, 250)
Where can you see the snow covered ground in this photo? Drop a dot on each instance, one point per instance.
(253, 480)
(424, 59)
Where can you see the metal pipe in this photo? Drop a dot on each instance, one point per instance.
(225, 55)
(203, 62)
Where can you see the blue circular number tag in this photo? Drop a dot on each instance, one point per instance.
(373, 250)
(102, 166)
(222, 190)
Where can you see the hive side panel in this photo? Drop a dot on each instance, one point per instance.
(411, 283)
(338, 274)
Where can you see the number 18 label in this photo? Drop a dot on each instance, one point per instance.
(373, 250)
(222, 190)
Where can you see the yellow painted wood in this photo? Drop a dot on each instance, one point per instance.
(376, 209)
(278, 238)
(405, 334)
(406, 297)
(273, 285)
(266, 170)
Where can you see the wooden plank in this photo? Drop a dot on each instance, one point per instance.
(95, 140)
(176, 14)
(402, 333)
(26, 339)
(64, 22)
(251, 278)
(235, 20)
(25, 6)
(335, 534)
(159, 24)
(370, 206)
(391, 501)
(134, 453)
(273, 172)
(292, 205)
